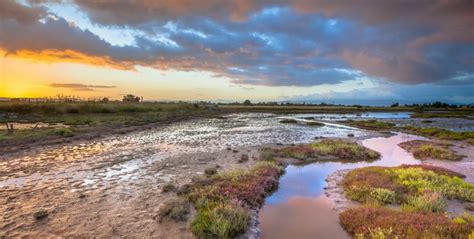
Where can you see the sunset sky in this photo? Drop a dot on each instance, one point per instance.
(370, 52)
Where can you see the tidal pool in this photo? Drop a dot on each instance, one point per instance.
(300, 209)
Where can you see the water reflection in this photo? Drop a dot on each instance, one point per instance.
(300, 206)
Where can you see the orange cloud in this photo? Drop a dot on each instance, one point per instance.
(72, 57)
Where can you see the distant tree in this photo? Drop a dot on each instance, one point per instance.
(104, 100)
(247, 102)
(131, 98)
(395, 104)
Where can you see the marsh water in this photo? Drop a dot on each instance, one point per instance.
(45, 176)
(300, 209)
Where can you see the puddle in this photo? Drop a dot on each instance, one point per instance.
(300, 209)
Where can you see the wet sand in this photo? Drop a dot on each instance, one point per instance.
(111, 187)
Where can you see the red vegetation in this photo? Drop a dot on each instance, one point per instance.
(364, 220)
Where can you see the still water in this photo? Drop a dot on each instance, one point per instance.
(300, 209)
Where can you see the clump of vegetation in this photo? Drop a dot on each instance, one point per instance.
(314, 123)
(301, 152)
(267, 154)
(436, 169)
(458, 114)
(65, 132)
(176, 209)
(224, 200)
(243, 158)
(344, 150)
(410, 185)
(435, 152)
(379, 222)
(169, 187)
(426, 202)
(210, 171)
(288, 121)
(337, 149)
(427, 150)
(439, 133)
(370, 124)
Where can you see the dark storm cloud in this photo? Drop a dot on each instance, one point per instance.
(299, 43)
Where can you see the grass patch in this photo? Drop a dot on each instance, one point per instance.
(314, 123)
(427, 150)
(378, 222)
(439, 133)
(320, 150)
(224, 200)
(175, 209)
(407, 185)
(344, 150)
(210, 171)
(370, 124)
(288, 121)
(169, 187)
(442, 115)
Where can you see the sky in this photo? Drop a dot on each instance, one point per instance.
(369, 52)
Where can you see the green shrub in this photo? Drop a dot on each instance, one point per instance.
(266, 154)
(434, 152)
(383, 196)
(344, 150)
(427, 202)
(169, 187)
(65, 132)
(176, 209)
(409, 183)
(314, 123)
(223, 200)
(210, 171)
(222, 221)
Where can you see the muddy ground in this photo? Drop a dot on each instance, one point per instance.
(112, 186)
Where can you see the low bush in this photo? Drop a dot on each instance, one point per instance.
(365, 222)
(267, 154)
(210, 171)
(422, 149)
(409, 184)
(370, 124)
(243, 158)
(223, 201)
(176, 209)
(344, 150)
(65, 132)
(314, 123)
(169, 187)
(440, 133)
(427, 202)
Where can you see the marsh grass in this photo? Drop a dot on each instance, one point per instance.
(379, 222)
(175, 209)
(439, 133)
(85, 117)
(224, 200)
(314, 123)
(370, 124)
(435, 152)
(411, 185)
(343, 150)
